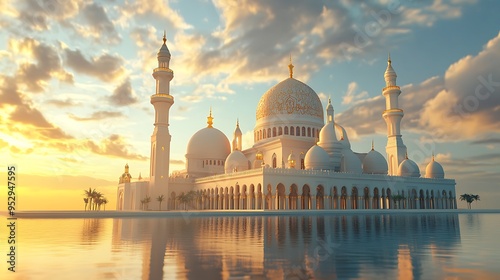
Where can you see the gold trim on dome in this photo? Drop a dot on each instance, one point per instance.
(290, 97)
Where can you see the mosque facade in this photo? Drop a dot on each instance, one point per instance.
(301, 159)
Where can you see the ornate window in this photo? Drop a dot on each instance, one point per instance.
(292, 130)
(286, 130)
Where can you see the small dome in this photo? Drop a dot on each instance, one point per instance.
(434, 170)
(350, 163)
(317, 158)
(408, 168)
(327, 133)
(236, 161)
(208, 143)
(375, 163)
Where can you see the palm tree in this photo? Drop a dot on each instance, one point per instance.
(469, 198)
(143, 201)
(104, 201)
(97, 200)
(147, 200)
(86, 200)
(160, 199)
(184, 199)
(89, 194)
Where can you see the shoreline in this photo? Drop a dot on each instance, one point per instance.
(34, 214)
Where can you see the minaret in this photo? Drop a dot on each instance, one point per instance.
(395, 148)
(329, 111)
(160, 140)
(237, 137)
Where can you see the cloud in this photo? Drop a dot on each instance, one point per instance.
(21, 112)
(365, 117)
(462, 105)
(177, 161)
(486, 141)
(123, 95)
(97, 25)
(38, 15)
(61, 103)
(114, 146)
(154, 9)
(97, 116)
(253, 44)
(208, 91)
(105, 67)
(351, 94)
(48, 64)
(469, 103)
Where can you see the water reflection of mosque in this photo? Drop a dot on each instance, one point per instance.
(289, 247)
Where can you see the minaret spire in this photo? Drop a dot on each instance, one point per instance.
(290, 67)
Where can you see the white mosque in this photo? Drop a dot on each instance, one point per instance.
(298, 161)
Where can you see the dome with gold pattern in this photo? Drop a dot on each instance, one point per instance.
(290, 97)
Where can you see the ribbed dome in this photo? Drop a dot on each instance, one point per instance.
(208, 143)
(236, 161)
(375, 163)
(317, 158)
(350, 162)
(408, 168)
(290, 97)
(434, 170)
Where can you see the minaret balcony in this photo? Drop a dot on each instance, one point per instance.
(390, 87)
(393, 111)
(158, 69)
(161, 96)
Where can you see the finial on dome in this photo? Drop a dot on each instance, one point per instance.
(329, 100)
(432, 156)
(164, 36)
(389, 58)
(372, 145)
(237, 122)
(290, 67)
(210, 118)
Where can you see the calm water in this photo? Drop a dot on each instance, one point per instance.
(398, 246)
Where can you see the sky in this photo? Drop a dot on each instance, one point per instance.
(75, 82)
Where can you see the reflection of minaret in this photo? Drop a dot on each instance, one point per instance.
(154, 258)
(395, 148)
(160, 140)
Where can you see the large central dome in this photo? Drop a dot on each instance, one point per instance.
(290, 97)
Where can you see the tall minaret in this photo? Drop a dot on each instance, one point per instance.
(396, 150)
(237, 137)
(160, 140)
